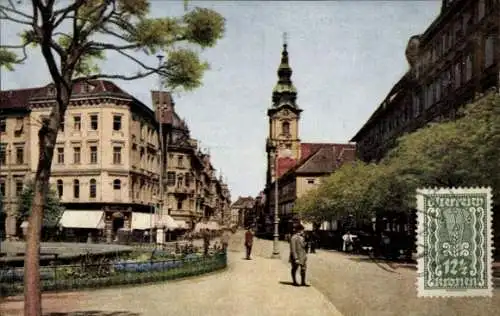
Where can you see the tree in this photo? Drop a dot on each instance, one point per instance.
(456, 153)
(73, 37)
(52, 209)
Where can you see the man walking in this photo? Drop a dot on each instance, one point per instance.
(298, 255)
(249, 242)
(225, 239)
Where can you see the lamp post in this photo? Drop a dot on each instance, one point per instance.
(152, 213)
(277, 155)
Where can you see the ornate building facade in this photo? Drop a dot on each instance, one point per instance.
(297, 166)
(454, 60)
(106, 165)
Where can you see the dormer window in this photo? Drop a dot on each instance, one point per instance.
(86, 88)
(51, 91)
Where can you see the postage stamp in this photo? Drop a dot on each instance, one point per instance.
(454, 242)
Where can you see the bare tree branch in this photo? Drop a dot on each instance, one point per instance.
(139, 75)
(63, 13)
(14, 11)
(5, 16)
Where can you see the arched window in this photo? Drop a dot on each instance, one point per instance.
(285, 128)
(93, 188)
(117, 184)
(60, 188)
(76, 189)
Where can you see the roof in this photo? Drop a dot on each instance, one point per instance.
(319, 158)
(244, 202)
(17, 99)
(400, 86)
(20, 98)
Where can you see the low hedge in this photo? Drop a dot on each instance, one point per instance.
(62, 278)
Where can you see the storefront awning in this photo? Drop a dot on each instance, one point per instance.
(142, 221)
(82, 219)
(182, 224)
(167, 221)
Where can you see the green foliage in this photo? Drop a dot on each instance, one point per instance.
(457, 153)
(52, 210)
(7, 59)
(124, 27)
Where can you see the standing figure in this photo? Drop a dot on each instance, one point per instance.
(206, 241)
(248, 242)
(225, 239)
(298, 255)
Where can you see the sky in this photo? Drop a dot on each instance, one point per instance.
(345, 56)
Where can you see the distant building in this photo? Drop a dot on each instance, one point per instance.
(106, 164)
(305, 164)
(242, 212)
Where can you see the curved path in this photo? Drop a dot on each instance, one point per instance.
(248, 287)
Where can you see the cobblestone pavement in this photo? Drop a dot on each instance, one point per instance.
(256, 287)
(359, 286)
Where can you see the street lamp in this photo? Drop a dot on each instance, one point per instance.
(284, 153)
(151, 214)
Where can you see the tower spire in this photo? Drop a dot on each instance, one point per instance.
(284, 91)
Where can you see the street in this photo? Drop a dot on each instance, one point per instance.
(358, 286)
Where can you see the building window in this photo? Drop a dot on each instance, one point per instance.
(480, 10)
(76, 189)
(2, 188)
(77, 123)
(93, 154)
(94, 122)
(117, 184)
(179, 204)
(76, 155)
(61, 125)
(285, 128)
(93, 188)
(19, 187)
(180, 161)
(180, 181)
(19, 126)
(468, 68)
(188, 179)
(171, 178)
(19, 155)
(3, 125)
(3, 155)
(489, 51)
(117, 122)
(60, 155)
(60, 188)
(310, 181)
(117, 155)
(456, 76)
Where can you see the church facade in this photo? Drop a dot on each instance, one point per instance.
(293, 167)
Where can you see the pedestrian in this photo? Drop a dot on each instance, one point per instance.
(206, 241)
(348, 240)
(249, 242)
(314, 241)
(225, 239)
(298, 255)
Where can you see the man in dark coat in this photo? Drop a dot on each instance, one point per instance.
(249, 242)
(298, 255)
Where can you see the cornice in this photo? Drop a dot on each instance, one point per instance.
(79, 102)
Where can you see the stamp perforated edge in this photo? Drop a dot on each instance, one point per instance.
(421, 291)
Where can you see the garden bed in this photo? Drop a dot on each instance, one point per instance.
(121, 272)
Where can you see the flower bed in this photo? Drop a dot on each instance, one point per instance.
(56, 278)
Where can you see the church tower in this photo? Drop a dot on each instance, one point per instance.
(284, 116)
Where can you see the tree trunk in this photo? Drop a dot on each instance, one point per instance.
(47, 138)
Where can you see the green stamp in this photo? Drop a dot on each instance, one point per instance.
(454, 242)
